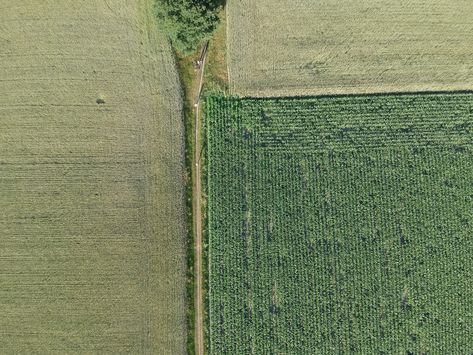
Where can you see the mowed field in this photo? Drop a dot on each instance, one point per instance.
(92, 237)
(306, 47)
(340, 225)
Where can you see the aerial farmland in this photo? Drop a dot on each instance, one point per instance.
(236, 177)
(339, 179)
(340, 224)
(306, 47)
(92, 228)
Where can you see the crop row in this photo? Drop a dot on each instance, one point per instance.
(339, 246)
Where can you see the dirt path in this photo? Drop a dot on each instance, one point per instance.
(197, 213)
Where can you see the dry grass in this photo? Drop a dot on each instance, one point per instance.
(305, 47)
(216, 76)
(92, 235)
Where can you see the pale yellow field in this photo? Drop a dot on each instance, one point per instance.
(307, 47)
(92, 236)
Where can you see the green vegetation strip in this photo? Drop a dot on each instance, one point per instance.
(340, 224)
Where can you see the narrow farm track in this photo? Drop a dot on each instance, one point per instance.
(197, 213)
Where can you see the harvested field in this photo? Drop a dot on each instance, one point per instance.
(92, 232)
(340, 225)
(307, 47)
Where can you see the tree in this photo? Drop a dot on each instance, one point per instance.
(188, 22)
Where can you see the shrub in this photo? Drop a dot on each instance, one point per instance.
(188, 22)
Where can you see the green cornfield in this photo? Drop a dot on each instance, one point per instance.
(340, 224)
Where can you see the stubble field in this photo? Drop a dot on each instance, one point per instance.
(340, 224)
(92, 239)
(306, 47)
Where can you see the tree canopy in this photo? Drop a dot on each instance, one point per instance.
(188, 22)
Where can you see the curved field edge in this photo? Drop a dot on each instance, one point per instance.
(340, 224)
(92, 223)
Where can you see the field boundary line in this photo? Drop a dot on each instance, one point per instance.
(197, 213)
(359, 94)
